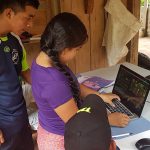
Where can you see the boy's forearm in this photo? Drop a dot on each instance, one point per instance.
(1, 137)
(26, 76)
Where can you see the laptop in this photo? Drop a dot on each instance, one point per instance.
(133, 90)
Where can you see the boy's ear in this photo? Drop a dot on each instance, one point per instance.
(8, 13)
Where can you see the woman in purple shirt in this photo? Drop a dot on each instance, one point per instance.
(55, 88)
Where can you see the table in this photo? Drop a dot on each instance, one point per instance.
(111, 73)
(127, 143)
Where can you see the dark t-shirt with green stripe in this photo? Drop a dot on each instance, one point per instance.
(13, 114)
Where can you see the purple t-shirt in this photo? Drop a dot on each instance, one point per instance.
(50, 89)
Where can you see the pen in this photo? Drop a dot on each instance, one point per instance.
(121, 135)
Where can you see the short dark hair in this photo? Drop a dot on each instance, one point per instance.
(18, 4)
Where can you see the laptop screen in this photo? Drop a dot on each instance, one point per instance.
(132, 88)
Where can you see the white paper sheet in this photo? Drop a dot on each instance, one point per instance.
(128, 143)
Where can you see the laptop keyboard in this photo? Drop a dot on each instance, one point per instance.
(118, 108)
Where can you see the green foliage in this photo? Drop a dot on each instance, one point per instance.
(142, 2)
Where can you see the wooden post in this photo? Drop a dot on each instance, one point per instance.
(134, 8)
(146, 14)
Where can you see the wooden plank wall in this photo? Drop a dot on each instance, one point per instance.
(92, 55)
(82, 61)
(42, 18)
(97, 27)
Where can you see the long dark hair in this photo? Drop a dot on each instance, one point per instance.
(65, 30)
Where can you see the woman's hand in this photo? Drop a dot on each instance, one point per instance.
(1, 138)
(118, 119)
(108, 97)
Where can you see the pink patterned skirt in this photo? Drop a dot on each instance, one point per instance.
(49, 141)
